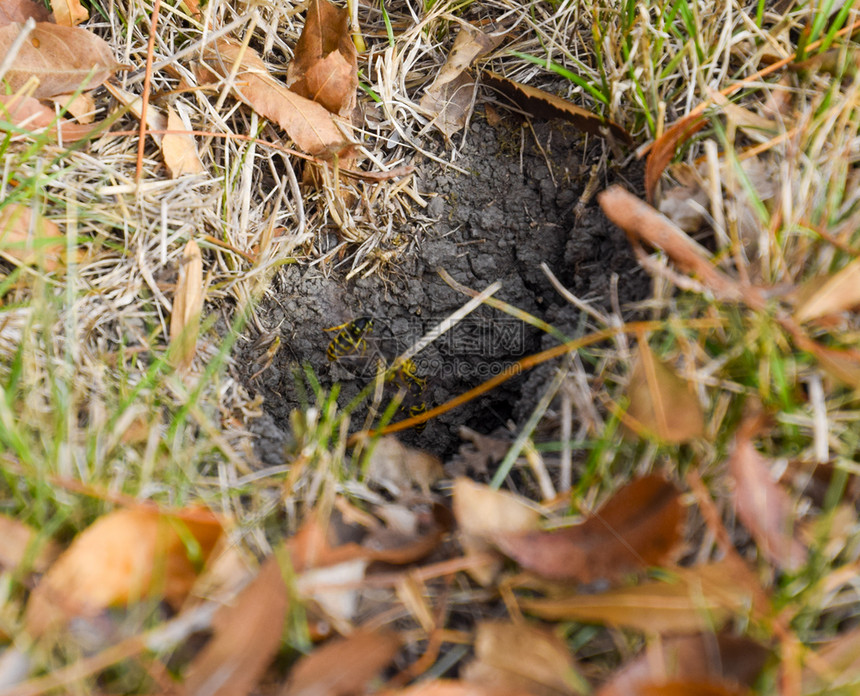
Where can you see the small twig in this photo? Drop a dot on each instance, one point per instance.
(147, 89)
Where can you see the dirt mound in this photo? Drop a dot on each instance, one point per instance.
(514, 210)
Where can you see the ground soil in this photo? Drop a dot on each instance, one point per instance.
(514, 210)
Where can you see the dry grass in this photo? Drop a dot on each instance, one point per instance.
(89, 394)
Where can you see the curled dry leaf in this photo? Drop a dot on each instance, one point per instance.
(523, 656)
(641, 525)
(179, 150)
(763, 505)
(482, 514)
(694, 599)
(69, 13)
(724, 661)
(22, 10)
(449, 97)
(29, 238)
(325, 67)
(663, 150)
(661, 401)
(247, 636)
(837, 294)
(61, 58)
(20, 544)
(123, 557)
(187, 306)
(545, 105)
(305, 121)
(30, 114)
(343, 666)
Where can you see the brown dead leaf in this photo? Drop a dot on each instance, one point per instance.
(641, 525)
(82, 107)
(179, 151)
(842, 364)
(22, 10)
(399, 468)
(305, 121)
(30, 239)
(31, 115)
(835, 666)
(661, 401)
(20, 544)
(325, 67)
(839, 293)
(483, 513)
(642, 223)
(523, 656)
(762, 504)
(69, 13)
(446, 687)
(123, 557)
(247, 636)
(694, 599)
(449, 97)
(343, 666)
(542, 104)
(723, 661)
(61, 58)
(187, 307)
(690, 688)
(663, 150)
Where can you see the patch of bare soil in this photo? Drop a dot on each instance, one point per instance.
(514, 210)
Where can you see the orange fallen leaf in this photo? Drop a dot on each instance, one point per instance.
(69, 12)
(483, 513)
(837, 294)
(82, 107)
(124, 556)
(325, 67)
(661, 401)
(22, 10)
(641, 525)
(179, 151)
(520, 655)
(247, 636)
(19, 544)
(61, 58)
(693, 599)
(724, 661)
(343, 666)
(545, 105)
(30, 114)
(28, 238)
(187, 307)
(689, 688)
(762, 504)
(305, 121)
(642, 223)
(450, 687)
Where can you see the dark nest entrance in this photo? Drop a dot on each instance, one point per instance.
(515, 209)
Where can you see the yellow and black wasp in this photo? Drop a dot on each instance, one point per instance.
(350, 338)
(407, 375)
